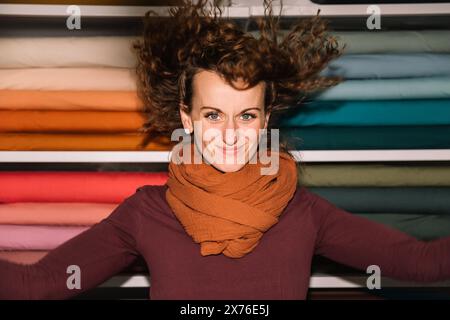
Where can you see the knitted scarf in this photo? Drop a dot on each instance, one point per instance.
(228, 212)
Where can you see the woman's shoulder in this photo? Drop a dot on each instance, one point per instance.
(310, 203)
(149, 195)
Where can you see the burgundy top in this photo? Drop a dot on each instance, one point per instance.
(278, 268)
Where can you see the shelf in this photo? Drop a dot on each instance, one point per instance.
(316, 281)
(244, 9)
(163, 156)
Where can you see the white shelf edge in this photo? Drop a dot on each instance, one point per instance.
(316, 281)
(306, 9)
(163, 156)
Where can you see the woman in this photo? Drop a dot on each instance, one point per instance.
(223, 229)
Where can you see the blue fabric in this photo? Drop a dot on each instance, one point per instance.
(388, 89)
(383, 66)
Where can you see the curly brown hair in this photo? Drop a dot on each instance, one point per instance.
(193, 38)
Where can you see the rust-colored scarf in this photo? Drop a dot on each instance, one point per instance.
(229, 212)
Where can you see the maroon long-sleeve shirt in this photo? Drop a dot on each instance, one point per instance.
(278, 268)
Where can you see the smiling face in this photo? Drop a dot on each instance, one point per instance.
(225, 121)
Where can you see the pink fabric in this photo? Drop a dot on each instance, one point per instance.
(99, 187)
(46, 213)
(15, 237)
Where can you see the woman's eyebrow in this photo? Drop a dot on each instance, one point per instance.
(208, 107)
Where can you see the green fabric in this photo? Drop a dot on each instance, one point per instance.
(425, 200)
(374, 175)
(372, 137)
(395, 41)
(421, 226)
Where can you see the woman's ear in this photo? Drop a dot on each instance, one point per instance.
(186, 118)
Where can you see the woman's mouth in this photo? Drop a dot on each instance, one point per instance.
(231, 151)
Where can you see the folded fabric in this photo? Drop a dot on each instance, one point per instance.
(421, 226)
(430, 200)
(68, 213)
(378, 175)
(116, 51)
(123, 79)
(70, 121)
(382, 66)
(70, 100)
(14, 237)
(388, 89)
(404, 41)
(22, 256)
(63, 186)
(81, 142)
(67, 52)
(372, 137)
(369, 113)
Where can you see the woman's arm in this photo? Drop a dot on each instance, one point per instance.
(360, 242)
(100, 252)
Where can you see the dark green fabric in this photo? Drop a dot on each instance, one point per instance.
(426, 200)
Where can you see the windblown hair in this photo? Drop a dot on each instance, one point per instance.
(193, 38)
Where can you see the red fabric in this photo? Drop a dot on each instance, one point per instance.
(100, 187)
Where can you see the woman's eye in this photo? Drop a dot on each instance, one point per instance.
(248, 116)
(212, 116)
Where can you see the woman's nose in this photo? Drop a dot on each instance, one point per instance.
(229, 134)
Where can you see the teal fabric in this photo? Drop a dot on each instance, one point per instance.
(368, 113)
(384, 66)
(420, 226)
(365, 138)
(388, 89)
(418, 200)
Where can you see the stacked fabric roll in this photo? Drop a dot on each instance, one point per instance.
(395, 95)
(70, 93)
(79, 93)
(41, 210)
(411, 198)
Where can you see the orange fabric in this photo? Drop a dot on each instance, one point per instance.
(229, 212)
(80, 142)
(70, 121)
(70, 100)
(65, 213)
